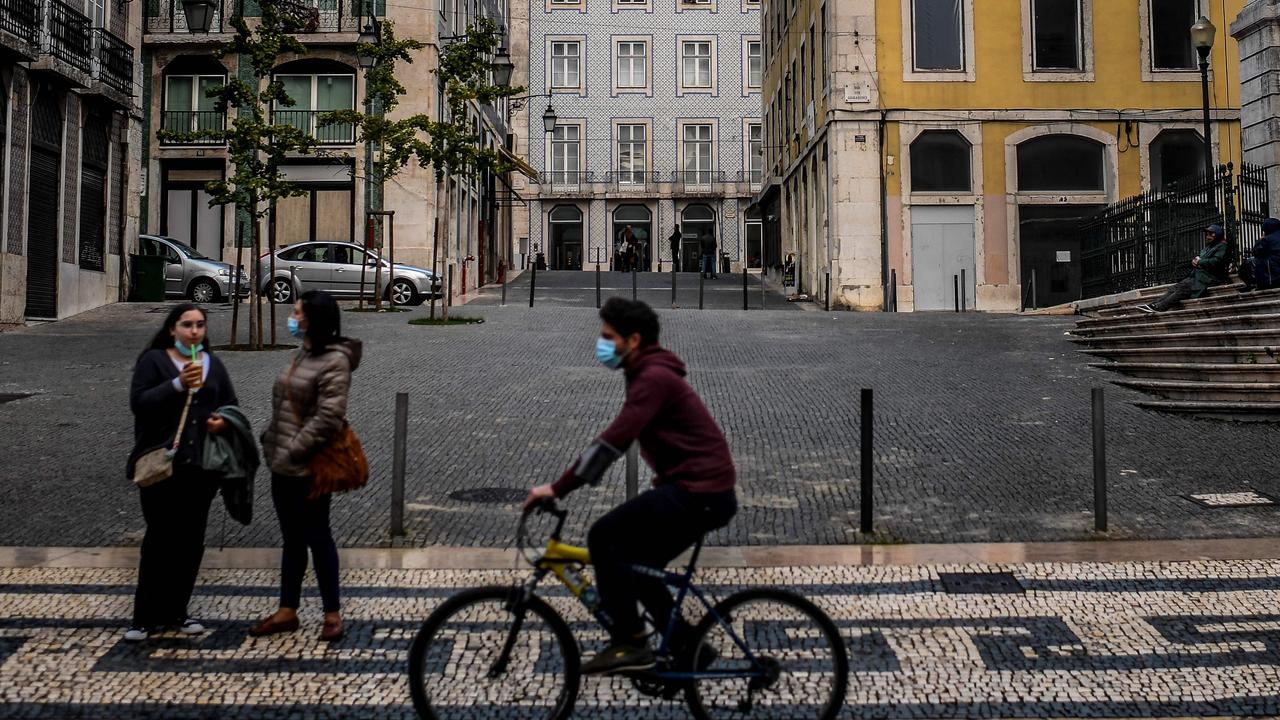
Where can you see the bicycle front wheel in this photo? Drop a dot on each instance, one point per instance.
(794, 665)
(458, 668)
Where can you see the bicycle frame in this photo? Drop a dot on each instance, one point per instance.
(558, 557)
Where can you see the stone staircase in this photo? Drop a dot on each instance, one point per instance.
(1216, 357)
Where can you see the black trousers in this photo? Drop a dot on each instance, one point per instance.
(1175, 296)
(651, 530)
(304, 524)
(176, 511)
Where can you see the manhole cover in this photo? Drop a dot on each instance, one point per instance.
(1246, 498)
(998, 583)
(10, 397)
(495, 496)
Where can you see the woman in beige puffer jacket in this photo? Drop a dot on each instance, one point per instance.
(309, 406)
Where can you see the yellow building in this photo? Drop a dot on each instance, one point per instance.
(953, 145)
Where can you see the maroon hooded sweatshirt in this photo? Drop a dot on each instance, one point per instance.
(678, 437)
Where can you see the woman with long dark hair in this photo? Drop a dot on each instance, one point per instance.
(174, 369)
(309, 407)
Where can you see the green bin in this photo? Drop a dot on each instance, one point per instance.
(148, 278)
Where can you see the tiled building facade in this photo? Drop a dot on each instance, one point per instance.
(658, 107)
(68, 154)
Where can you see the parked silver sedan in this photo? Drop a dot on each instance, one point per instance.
(190, 274)
(337, 268)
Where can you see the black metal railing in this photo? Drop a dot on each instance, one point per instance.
(566, 181)
(113, 61)
(1150, 239)
(67, 35)
(308, 121)
(188, 121)
(633, 180)
(20, 18)
(167, 16)
(697, 181)
(754, 179)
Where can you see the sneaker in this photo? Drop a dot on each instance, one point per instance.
(190, 627)
(1146, 309)
(136, 634)
(619, 658)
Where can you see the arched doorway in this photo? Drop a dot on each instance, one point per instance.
(694, 222)
(566, 238)
(1072, 170)
(632, 237)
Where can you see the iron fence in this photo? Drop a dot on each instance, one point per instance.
(113, 61)
(167, 16)
(189, 121)
(308, 121)
(67, 35)
(20, 18)
(1150, 239)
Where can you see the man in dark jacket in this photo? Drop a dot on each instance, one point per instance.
(675, 248)
(1262, 271)
(708, 254)
(1209, 268)
(692, 494)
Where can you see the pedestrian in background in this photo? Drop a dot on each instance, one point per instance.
(675, 249)
(708, 254)
(309, 407)
(178, 385)
(1261, 271)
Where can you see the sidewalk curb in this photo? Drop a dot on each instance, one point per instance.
(465, 558)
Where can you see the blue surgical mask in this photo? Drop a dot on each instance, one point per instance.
(184, 349)
(294, 330)
(607, 354)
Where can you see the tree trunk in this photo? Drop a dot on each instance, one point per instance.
(235, 301)
(271, 248)
(448, 277)
(435, 253)
(255, 327)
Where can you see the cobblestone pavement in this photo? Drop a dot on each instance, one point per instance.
(578, 289)
(1068, 640)
(981, 428)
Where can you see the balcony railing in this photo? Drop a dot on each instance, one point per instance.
(112, 61)
(316, 16)
(186, 121)
(633, 181)
(697, 182)
(20, 18)
(67, 35)
(567, 182)
(754, 179)
(308, 122)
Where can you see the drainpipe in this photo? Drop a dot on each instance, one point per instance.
(835, 281)
(884, 216)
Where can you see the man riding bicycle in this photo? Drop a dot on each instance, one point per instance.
(692, 494)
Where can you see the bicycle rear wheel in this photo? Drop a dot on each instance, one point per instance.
(800, 660)
(452, 662)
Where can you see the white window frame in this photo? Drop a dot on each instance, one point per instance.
(97, 12)
(910, 74)
(646, 156)
(622, 5)
(696, 5)
(751, 6)
(647, 87)
(714, 124)
(1029, 71)
(581, 126)
(576, 5)
(713, 42)
(1149, 73)
(747, 87)
(1147, 134)
(748, 156)
(311, 106)
(552, 41)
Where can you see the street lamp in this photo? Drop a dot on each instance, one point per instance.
(199, 14)
(502, 68)
(1202, 38)
(549, 119)
(368, 37)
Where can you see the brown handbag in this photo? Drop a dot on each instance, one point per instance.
(339, 466)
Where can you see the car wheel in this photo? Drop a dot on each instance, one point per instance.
(203, 291)
(402, 292)
(281, 291)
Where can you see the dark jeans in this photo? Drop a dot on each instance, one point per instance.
(304, 524)
(709, 265)
(1175, 296)
(176, 511)
(651, 530)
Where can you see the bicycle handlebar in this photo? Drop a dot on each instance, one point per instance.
(548, 506)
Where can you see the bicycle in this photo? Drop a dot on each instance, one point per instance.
(499, 651)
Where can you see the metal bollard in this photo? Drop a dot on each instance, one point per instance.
(828, 302)
(762, 291)
(674, 281)
(955, 281)
(597, 286)
(533, 282)
(633, 284)
(702, 277)
(866, 498)
(744, 287)
(964, 291)
(893, 289)
(1099, 461)
(449, 300)
(399, 446)
(633, 470)
(504, 291)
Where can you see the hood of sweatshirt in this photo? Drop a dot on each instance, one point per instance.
(655, 356)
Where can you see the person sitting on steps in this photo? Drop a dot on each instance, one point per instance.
(1209, 268)
(1262, 270)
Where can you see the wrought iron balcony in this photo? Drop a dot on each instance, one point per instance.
(697, 182)
(308, 121)
(186, 121)
(112, 61)
(753, 179)
(20, 18)
(66, 35)
(315, 16)
(167, 16)
(634, 181)
(567, 182)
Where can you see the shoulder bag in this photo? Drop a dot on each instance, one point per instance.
(340, 465)
(156, 465)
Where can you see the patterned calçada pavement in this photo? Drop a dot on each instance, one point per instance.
(1133, 639)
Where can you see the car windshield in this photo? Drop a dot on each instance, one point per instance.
(187, 250)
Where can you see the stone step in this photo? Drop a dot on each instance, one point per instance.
(1250, 307)
(1183, 355)
(1240, 412)
(1199, 391)
(1219, 295)
(1196, 372)
(1160, 325)
(1207, 338)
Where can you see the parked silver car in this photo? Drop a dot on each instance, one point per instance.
(190, 274)
(336, 267)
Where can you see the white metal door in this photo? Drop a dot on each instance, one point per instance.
(942, 249)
